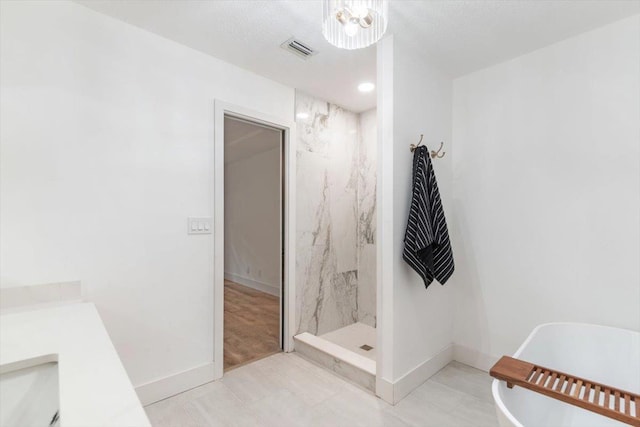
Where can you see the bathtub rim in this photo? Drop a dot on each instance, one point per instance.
(496, 383)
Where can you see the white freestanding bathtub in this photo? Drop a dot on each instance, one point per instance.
(606, 355)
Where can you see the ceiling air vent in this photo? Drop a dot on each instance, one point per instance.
(299, 48)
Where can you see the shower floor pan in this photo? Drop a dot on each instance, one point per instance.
(349, 352)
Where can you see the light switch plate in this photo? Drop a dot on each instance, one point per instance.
(199, 225)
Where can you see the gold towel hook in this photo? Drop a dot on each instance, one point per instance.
(413, 147)
(436, 154)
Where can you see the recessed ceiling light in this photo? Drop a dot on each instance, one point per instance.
(302, 116)
(366, 87)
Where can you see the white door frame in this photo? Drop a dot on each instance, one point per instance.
(288, 297)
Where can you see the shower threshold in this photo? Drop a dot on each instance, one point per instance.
(349, 352)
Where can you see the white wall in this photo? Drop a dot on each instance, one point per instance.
(418, 102)
(547, 190)
(423, 318)
(106, 149)
(252, 212)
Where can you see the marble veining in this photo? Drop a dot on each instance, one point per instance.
(367, 177)
(335, 216)
(367, 180)
(337, 365)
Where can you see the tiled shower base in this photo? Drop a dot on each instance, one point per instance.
(349, 352)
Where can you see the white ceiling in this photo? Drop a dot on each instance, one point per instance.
(243, 140)
(460, 35)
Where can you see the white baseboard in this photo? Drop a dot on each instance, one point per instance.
(395, 392)
(414, 378)
(384, 390)
(173, 384)
(473, 358)
(260, 286)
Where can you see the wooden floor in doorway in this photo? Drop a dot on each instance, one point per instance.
(251, 325)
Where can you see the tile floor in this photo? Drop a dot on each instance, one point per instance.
(285, 390)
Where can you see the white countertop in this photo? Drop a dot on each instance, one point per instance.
(94, 387)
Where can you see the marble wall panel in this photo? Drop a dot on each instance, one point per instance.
(367, 177)
(335, 216)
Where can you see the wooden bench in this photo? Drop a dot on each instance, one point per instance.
(599, 398)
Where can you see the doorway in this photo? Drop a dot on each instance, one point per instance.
(254, 250)
(253, 240)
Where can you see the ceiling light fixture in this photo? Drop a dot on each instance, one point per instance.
(354, 24)
(366, 87)
(302, 116)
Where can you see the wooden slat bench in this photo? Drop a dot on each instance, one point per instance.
(599, 398)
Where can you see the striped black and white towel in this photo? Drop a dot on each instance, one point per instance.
(427, 248)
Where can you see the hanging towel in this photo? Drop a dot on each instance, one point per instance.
(426, 242)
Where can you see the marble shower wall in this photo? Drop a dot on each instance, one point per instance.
(335, 261)
(367, 179)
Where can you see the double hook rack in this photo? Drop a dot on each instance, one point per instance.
(434, 154)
